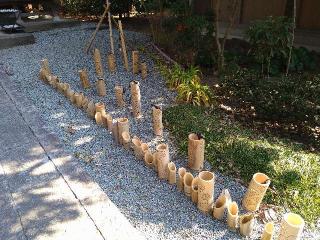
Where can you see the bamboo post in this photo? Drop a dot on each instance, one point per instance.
(148, 159)
(100, 107)
(256, 191)
(126, 139)
(172, 173)
(268, 231)
(79, 99)
(119, 96)
(187, 182)
(98, 62)
(42, 74)
(232, 216)
(111, 63)
(155, 163)
(181, 172)
(123, 126)
(54, 81)
(135, 99)
(70, 93)
(136, 145)
(221, 204)
(291, 227)
(109, 122)
(157, 120)
(72, 97)
(98, 118)
(162, 156)
(45, 66)
(196, 145)
(144, 70)
(247, 222)
(194, 189)
(123, 46)
(101, 87)
(115, 131)
(85, 103)
(65, 88)
(135, 62)
(91, 110)
(84, 78)
(205, 192)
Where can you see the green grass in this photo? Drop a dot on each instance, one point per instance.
(240, 152)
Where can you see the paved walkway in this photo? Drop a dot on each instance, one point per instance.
(44, 194)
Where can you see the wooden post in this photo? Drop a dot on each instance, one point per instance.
(97, 28)
(135, 62)
(84, 78)
(110, 30)
(123, 46)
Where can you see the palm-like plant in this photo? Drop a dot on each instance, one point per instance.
(195, 93)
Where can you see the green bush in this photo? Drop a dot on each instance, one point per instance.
(84, 6)
(270, 38)
(192, 36)
(195, 93)
(290, 99)
(177, 75)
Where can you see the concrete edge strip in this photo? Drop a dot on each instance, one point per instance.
(107, 218)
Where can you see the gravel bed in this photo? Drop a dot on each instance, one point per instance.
(153, 206)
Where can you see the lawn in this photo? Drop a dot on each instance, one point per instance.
(240, 152)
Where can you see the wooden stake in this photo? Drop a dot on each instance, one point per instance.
(123, 46)
(135, 62)
(97, 28)
(110, 30)
(84, 78)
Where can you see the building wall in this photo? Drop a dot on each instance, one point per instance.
(258, 9)
(308, 11)
(309, 14)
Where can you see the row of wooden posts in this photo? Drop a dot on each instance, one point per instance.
(199, 189)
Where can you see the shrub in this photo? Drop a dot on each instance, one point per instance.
(289, 99)
(268, 38)
(177, 75)
(195, 93)
(188, 84)
(84, 7)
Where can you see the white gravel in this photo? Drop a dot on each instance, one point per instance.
(154, 207)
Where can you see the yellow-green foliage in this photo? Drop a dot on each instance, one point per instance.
(188, 84)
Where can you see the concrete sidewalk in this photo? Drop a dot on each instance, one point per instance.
(44, 193)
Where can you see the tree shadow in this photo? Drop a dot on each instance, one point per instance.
(38, 197)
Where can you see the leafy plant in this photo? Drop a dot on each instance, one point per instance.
(195, 93)
(302, 59)
(290, 99)
(177, 75)
(269, 37)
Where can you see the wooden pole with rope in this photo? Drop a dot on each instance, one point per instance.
(107, 7)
